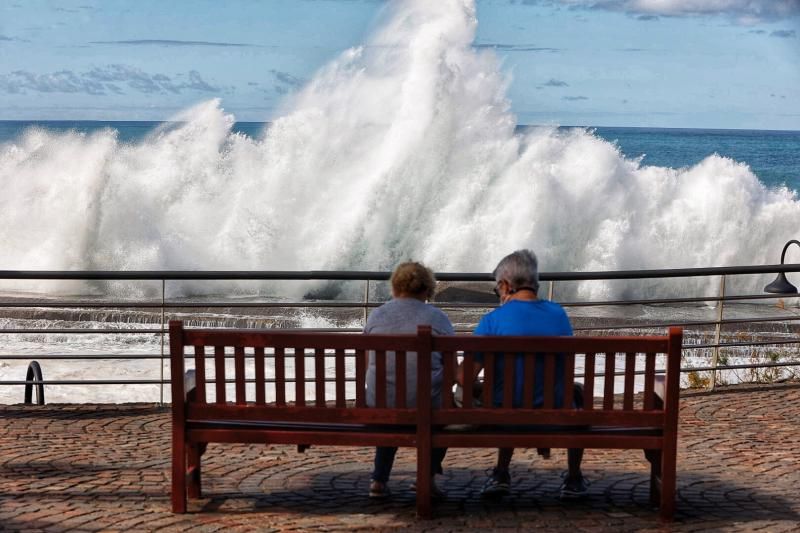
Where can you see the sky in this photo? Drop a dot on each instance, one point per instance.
(650, 63)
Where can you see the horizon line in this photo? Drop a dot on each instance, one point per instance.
(519, 125)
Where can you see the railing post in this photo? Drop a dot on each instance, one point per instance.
(366, 302)
(718, 333)
(550, 290)
(34, 377)
(163, 305)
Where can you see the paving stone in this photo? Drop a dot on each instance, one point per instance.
(107, 468)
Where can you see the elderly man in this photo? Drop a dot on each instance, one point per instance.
(522, 313)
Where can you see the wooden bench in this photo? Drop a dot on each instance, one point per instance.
(317, 410)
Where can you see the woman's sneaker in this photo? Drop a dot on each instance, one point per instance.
(378, 490)
(497, 484)
(574, 488)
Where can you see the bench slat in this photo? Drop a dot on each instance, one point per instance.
(469, 384)
(508, 379)
(200, 373)
(581, 344)
(630, 374)
(219, 373)
(309, 339)
(518, 416)
(260, 379)
(361, 373)
(549, 380)
(380, 378)
(649, 379)
(529, 375)
(448, 378)
(319, 376)
(238, 371)
(569, 380)
(400, 379)
(588, 381)
(341, 401)
(280, 376)
(488, 378)
(196, 413)
(302, 437)
(556, 440)
(608, 391)
(300, 375)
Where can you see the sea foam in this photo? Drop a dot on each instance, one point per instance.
(402, 148)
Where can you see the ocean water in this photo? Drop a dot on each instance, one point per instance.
(773, 156)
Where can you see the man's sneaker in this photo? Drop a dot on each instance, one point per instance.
(436, 492)
(378, 490)
(497, 484)
(574, 488)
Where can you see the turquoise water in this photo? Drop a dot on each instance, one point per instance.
(774, 156)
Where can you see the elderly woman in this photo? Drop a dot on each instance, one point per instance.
(412, 284)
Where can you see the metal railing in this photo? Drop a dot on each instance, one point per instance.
(165, 308)
(33, 377)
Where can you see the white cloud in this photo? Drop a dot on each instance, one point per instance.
(744, 11)
(100, 81)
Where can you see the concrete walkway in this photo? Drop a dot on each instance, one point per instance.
(106, 467)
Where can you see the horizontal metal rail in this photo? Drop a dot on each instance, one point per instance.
(633, 325)
(365, 275)
(361, 305)
(659, 301)
(78, 331)
(192, 305)
(598, 374)
(609, 327)
(156, 357)
(741, 344)
(80, 357)
(686, 323)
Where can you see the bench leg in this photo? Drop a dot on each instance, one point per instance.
(424, 480)
(194, 459)
(178, 472)
(654, 457)
(668, 482)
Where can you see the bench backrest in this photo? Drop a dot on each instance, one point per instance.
(308, 376)
(291, 375)
(623, 365)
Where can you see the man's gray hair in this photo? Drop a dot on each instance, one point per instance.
(519, 269)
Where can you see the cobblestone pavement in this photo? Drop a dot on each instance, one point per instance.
(106, 467)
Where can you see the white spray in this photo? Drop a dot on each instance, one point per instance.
(402, 148)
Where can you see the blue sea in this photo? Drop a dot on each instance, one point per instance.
(774, 156)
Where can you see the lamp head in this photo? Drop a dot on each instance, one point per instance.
(781, 286)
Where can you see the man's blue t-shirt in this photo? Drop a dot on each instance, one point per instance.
(521, 317)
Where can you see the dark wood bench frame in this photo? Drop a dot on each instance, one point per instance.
(618, 421)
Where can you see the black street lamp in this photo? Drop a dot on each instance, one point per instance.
(781, 285)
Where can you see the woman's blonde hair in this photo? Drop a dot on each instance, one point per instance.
(414, 279)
